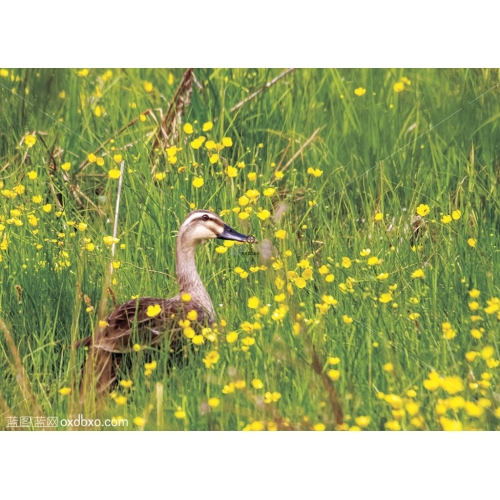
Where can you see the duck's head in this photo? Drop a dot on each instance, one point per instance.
(202, 225)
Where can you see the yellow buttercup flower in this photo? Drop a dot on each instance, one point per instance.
(153, 310)
(198, 182)
(30, 140)
(207, 126)
(360, 91)
(114, 173)
(423, 210)
(257, 383)
(64, 391)
(419, 273)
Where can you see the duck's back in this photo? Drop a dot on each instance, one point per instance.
(146, 320)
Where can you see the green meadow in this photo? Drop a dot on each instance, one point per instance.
(371, 300)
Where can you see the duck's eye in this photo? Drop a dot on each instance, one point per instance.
(205, 217)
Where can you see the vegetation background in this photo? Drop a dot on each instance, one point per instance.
(374, 301)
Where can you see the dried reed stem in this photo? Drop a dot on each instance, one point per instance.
(20, 372)
(117, 212)
(294, 157)
(264, 87)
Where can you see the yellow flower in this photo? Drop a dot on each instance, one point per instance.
(452, 385)
(412, 408)
(150, 366)
(385, 298)
(214, 158)
(37, 199)
(257, 383)
(319, 427)
(207, 126)
(472, 242)
(456, 214)
(373, 261)
(474, 294)
(316, 172)
(160, 176)
(383, 276)
(198, 182)
(269, 191)
(272, 397)
(47, 208)
(148, 86)
(363, 421)
(118, 158)
(180, 414)
(30, 140)
(136, 347)
(213, 402)
(419, 273)
(64, 391)
(393, 425)
(109, 240)
(252, 176)
(446, 219)
(139, 421)
(399, 87)
(347, 319)
(379, 216)
(232, 171)
(473, 410)
(346, 262)
(248, 341)
(32, 175)
(388, 367)
(121, 400)
(198, 340)
(231, 337)
(227, 142)
(281, 234)
(188, 332)
(188, 129)
(100, 161)
(211, 359)
(360, 91)
(253, 302)
(487, 352)
(449, 424)
(114, 173)
(264, 214)
(333, 374)
(153, 310)
(185, 297)
(127, 384)
(423, 210)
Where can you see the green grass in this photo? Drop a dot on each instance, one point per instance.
(434, 143)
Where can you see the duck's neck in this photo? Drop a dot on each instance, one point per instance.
(188, 278)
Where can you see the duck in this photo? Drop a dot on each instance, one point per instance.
(146, 321)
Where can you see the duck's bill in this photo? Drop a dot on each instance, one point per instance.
(230, 234)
